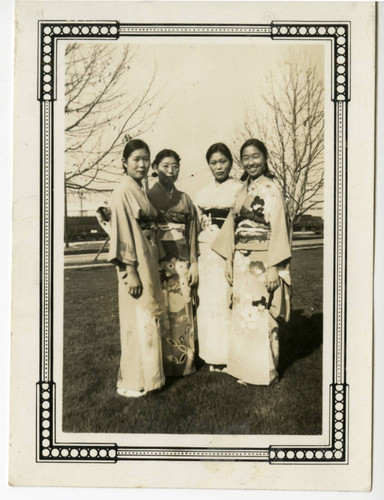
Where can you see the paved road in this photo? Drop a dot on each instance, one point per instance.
(82, 258)
(88, 259)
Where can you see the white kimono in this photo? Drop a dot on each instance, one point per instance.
(213, 202)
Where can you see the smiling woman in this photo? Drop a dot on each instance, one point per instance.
(254, 241)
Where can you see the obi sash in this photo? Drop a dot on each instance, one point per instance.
(172, 226)
(216, 216)
(148, 226)
(251, 234)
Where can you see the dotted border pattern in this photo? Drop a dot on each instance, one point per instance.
(49, 450)
(50, 32)
(195, 30)
(340, 247)
(336, 452)
(339, 34)
(195, 454)
(46, 246)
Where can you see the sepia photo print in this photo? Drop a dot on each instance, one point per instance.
(194, 242)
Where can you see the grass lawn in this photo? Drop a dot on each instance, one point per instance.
(202, 403)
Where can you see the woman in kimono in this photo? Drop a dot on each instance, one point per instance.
(178, 230)
(134, 251)
(213, 202)
(254, 241)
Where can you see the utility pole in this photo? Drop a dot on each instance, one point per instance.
(81, 196)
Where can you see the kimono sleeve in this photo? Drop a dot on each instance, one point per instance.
(279, 248)
(193, 232)
(224, 243)
(122, 248)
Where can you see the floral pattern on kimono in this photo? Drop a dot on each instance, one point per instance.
(255, 237)
(178, 329)
(178, 230)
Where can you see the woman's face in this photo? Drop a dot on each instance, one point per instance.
(253, 161)
(137, 164)
(220, 166)
(168, 170)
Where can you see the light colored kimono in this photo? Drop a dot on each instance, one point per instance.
(213, 202)
(255, 236)
(133, 241)
(178, 229)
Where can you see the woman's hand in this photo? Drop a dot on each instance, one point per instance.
(272, 279)
(132, 279)
(193, 274)
(229, 271)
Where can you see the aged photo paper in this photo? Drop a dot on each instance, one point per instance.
(284, 401)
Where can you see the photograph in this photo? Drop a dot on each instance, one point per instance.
(194, 308)
(193, 238)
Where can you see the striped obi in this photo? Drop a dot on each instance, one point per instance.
(252, 234)
(215, 216)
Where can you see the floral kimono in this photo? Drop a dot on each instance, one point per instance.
(133, 241)
(255, 237)
(213, 202)
(178, 230)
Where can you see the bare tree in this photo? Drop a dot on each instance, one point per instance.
(293, 130)
(104, 106)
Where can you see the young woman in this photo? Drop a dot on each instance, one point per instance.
(134, 251)
(213, 202)
(178, 230)
(254, 241)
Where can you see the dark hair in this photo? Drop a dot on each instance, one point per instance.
(263, 149)
(219, 147)
(132, 146)
(164, 153)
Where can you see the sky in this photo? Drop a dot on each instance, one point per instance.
(206, 90)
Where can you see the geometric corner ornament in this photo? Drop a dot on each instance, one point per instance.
(336, 450)
(52, 451)
(50, 33)
(338, 34)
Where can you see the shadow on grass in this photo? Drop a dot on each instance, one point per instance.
(299, 338)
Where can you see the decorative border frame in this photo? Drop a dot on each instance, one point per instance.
(47, 448)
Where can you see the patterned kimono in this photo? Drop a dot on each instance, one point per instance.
(255, 237)
(178, 230)
(214, 316)
(133, 241)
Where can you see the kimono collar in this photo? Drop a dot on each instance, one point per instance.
(243, 193)
(162, 199)
(258, 180)
(127, 179)
(168, 193)
(219, 185)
